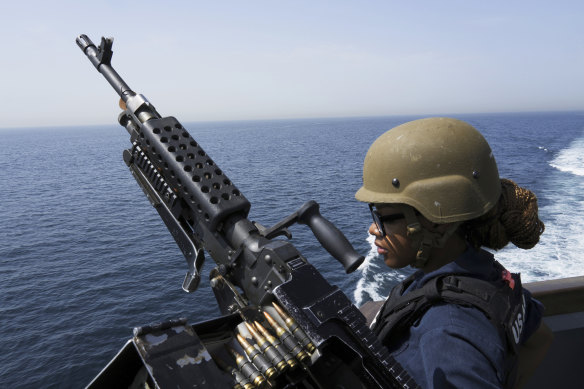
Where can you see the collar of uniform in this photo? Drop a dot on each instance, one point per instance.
(472, 262)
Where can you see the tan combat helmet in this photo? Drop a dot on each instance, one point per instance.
(442, 167)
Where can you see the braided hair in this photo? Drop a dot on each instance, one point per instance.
(513, 219)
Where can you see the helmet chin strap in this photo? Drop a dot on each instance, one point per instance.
(423, 239)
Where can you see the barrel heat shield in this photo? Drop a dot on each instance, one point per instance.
(190, 172)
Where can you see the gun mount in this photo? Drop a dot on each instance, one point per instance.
(257, 279)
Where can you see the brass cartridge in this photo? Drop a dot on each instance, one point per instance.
(269, 351)
(257, 358)
(295, 329)
(241, 382)
(240, 379)
(288, 340)
(284, 352)
(248, 370)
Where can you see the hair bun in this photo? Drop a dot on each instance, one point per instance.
(513, 219)
(519, 215)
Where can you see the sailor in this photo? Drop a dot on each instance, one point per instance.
(461, 320)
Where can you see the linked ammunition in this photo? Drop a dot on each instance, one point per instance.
(257, 358)
(248, 370)
(288, 340)
(241, 382)
(284, 352)
(269, 351)
(295, 329)
(240, 379)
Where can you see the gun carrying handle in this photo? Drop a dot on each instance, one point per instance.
(333, 240)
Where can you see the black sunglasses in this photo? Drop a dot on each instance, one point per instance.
(379, 220)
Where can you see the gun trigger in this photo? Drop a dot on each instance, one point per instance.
(193, 276)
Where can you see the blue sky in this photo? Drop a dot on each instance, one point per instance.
(230, 60)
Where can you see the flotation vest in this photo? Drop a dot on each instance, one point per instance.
(501, 301)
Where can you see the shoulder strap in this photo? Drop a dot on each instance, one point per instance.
(395, 294)
(400, 311)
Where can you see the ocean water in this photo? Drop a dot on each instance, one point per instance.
(84, 258)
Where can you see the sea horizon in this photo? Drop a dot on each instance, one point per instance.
(388, 116)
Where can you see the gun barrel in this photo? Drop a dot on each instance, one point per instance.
(101, 59)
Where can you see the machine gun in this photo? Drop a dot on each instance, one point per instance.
(284, 325)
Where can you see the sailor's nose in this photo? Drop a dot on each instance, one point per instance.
(373, 230)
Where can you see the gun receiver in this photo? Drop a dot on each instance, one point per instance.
(204, 211)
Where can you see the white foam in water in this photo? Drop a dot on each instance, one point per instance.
(559, 252)
(571, 160)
